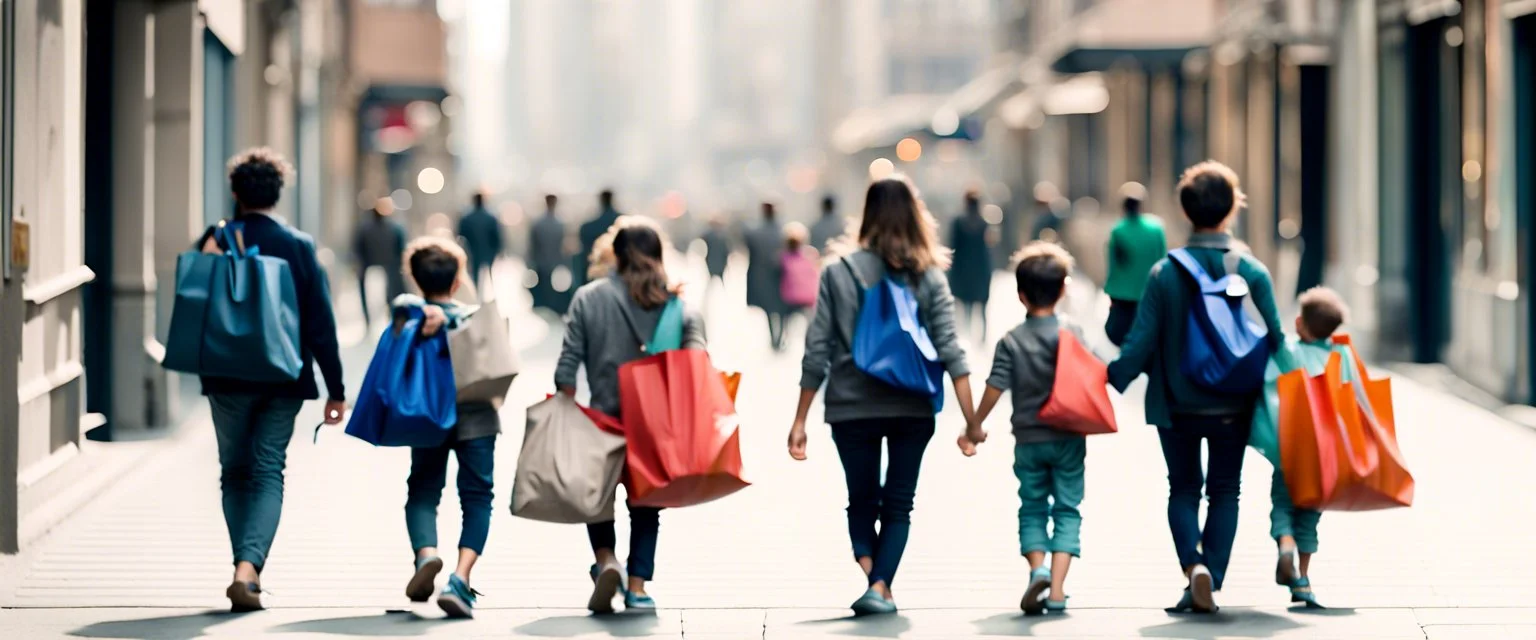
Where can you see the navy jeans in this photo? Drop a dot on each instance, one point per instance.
(429, 472)
(644, 527)
(1227, 438)
(870, 500)
(253, 434)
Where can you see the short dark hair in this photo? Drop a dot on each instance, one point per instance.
(1041, 269)
(605, 197)
(1134, 194)
(1322, 312)
(256, 177)
(1209, 194)
(828, 203)
(768, 210)
(550, 200)
(434, 264)
(478, 200)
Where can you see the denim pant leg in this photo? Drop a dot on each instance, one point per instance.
(1222, 487)
(1067, 494)
(477, 465)
(644, 529)
(1186, 478)
(858, 446)
(1286, 520)
(906, 441)
(424, 491)
(253, 434)
(1034, 497)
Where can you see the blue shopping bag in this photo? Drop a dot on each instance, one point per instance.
(890, 343)
(236, 314)
(408, 395)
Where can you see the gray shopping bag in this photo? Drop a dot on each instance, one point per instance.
(569, 468)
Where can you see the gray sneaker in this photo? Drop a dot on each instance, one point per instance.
(606, 581)
(423, 583)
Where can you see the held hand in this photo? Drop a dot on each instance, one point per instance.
(433, 321)
(797, 441)
(334, 410)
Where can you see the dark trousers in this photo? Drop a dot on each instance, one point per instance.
(429, 473)
(1221, 479)
(644, 527)
(776, 329)
(394, 285)
(888, 503)
(974, 310)
(1122, 316)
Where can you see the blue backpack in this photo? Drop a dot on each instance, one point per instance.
(890, 343)
(1224, 350)
(408, 397)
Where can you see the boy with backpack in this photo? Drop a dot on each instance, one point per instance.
(1204, 359)
(1047, 461)
(437, 268)
(1295, 530)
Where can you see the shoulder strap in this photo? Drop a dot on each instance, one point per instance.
(1191, 266)
(1232, 261)
(853, 271)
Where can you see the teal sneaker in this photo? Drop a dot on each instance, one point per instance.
(1033, 602)
(872, 603)
(457, 599)
(1301, 591)
(638, 602)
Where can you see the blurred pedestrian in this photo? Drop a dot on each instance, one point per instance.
(1135, 245)
(593, 229)
(970, 277)
(437, 267)
(764, 245)
(601, 335)
(1050, 213)
(379, 242)
(717, 249)
(800, 270)
(897, 238)
(481, 234)
(253, 421)
(546, 255)
(829, 227)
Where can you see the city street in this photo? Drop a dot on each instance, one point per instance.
(149, 558)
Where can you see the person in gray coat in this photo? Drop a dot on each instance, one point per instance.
(970, 277)
(546, 254)
(830, 227)
(764, 244)
(897, 237)
(379, 242)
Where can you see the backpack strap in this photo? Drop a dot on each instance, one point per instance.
(1187, 260)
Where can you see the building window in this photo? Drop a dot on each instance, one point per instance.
(218, 127)
(7, 60)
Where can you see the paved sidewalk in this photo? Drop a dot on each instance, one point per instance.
(150, 557)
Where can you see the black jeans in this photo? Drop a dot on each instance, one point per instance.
(870, 500)
(1221, 479)
(1122, 316)
(776, 329)
(644, 527)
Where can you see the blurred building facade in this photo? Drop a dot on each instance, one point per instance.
(119, 117)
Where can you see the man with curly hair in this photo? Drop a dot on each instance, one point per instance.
(254, 421)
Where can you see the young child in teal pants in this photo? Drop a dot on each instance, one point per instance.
(1295, 530)
(1048, 462)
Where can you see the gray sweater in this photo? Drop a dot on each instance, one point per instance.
(1025, 364)
(606, 328)
(852, 395)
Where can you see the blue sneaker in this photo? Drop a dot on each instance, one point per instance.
(872, 603)
(457, 599)
(1033, 602)
(638, 602)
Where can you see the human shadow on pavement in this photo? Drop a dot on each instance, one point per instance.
(385, 625)
(1329, 612)
(1231, 622)
(1011, 624)
(876, 626)
(630, 625)
(182, 627)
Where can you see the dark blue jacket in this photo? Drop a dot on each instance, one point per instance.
(317, 324)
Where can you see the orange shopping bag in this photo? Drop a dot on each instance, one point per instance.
(1079, 400)
(1338, 440)
(684, 441)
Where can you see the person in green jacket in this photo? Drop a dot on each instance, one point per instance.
(1295, 530)
(1135, 244)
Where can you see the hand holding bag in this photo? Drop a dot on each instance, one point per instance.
(408, 395)
(569, 468)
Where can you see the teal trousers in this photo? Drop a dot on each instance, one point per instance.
(1050, 489)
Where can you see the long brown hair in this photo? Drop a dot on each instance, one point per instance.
(899, 229)
(637, 251)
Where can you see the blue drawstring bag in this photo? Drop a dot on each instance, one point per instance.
(1224, 350)
(408, 395)
(236, 314)
(890, 343)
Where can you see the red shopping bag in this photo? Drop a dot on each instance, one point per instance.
(1338, 441)
(684, 441)
(1079, 400)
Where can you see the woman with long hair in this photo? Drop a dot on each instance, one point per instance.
(609, 320)
(897, 237)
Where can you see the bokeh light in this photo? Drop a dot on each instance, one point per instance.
(992, 213)
(673, 205)
(403, 199)
(881, 169)
(909, 150)
(430, 180)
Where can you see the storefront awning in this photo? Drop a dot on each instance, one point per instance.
(886, 124)
(1150, 32)
(977, 96)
